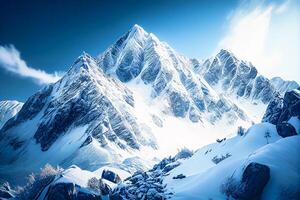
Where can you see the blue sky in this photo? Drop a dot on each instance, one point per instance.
(48, 36)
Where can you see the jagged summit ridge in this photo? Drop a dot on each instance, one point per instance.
(237, 77)
(145, 59)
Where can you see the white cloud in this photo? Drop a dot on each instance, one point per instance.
(266, 35)
(11, 61)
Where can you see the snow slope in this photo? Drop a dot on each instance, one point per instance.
(204, 178)
(8, 109)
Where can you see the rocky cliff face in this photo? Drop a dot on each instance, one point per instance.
(236, 77)
(282, 109)
(141, 58)
(94, 111)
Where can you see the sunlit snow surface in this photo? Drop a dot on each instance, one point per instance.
(204, 178)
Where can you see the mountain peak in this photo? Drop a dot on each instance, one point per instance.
(224, 52)
(137, 33)
(137, 27)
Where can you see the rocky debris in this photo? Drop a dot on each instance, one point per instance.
(255, 178)
(62, 191)
(179, 176)
(99, 186)
(285, 129)
(111, 176)
(217, 159)
(220, 140)
(142, 185)
(184, 154)
(149, 185)
(281, 110)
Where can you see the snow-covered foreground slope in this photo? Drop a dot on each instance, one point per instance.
(256, 164)
(204, 178)
(8, 109)
(260, 163)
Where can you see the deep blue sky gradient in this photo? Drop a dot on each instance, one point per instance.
(51, 34)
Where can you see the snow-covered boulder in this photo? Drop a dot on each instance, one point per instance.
(254, 179)
(111, 176)
(63, 191)
(285, 129)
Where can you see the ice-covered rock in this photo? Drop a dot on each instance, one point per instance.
(283, 86)
(237, 77)
(282, 109)
(8, 109)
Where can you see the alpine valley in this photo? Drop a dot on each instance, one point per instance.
(141, 121)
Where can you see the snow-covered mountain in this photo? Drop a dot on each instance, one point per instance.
(283, 86)
(86, 118)
(258, 163)
(138, 101)
(8, 109)
(234, 76)
(140, 60)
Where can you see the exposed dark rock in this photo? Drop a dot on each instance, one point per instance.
(179, 176)
(179, 104)
(285, 129)
(104, 188)
(63, 191)
(87, 141)
(281, 110)
(255, 178)
(273, 111)
(111, 176)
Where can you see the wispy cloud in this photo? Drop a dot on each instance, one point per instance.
(11, 61)
(267, 34)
